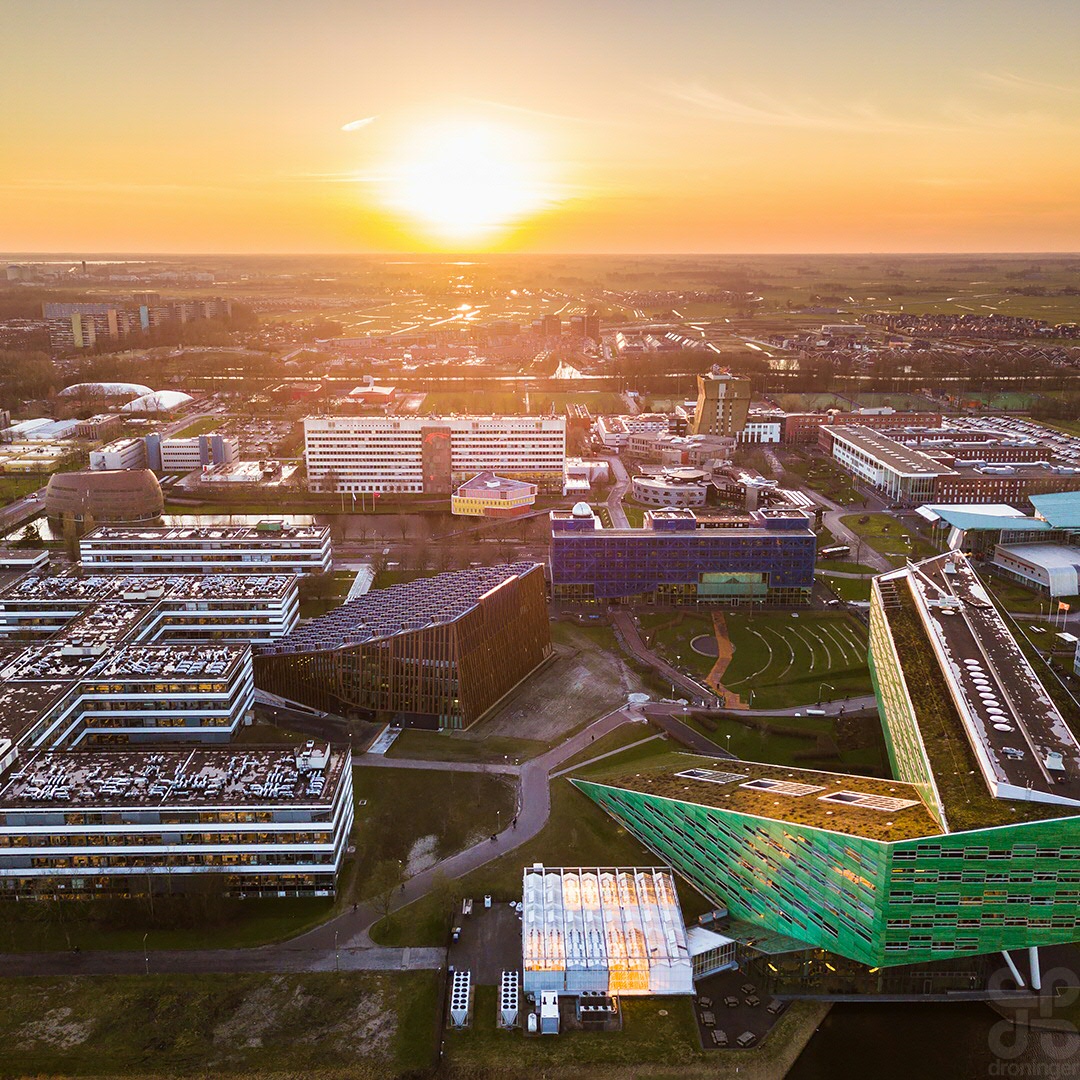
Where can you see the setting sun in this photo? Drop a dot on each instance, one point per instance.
(468, 181)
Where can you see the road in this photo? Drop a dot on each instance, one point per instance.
(627, 629)
(615, 497)
(344, 942)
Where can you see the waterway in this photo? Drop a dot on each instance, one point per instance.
(931, 1042)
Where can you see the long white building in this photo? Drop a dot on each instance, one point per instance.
(431, 454)
(263, 820)
(273, 546)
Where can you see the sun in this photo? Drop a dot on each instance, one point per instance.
(467, 182)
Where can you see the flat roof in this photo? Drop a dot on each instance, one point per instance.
(666, 778)
(176, 533)
(1022, 743)
(1061, 509)
(399, 609)
(72, 589)
(201, 776)
(487, 483)
(890, 453)
(22, 702)
(993, 516)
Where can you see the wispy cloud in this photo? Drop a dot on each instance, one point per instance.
(1007, 80)
(356, 125)
(766, 111)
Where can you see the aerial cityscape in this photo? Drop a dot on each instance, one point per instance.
(539, 543)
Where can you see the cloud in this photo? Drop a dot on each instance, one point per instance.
(1006, 80)
(765, 111)
(356, 125)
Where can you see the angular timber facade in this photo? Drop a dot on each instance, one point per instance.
(438, 652)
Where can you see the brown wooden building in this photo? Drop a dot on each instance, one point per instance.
(438, 652)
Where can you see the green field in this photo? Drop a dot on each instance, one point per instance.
(203, 426)
(884, 533)
(784, 658)
(364, 1025)
(788, 661)
(462, 746)
(475, 402)
(16, 486)
(578, 833)
(658, 1041)
(847, 588)
(822, 475)
(416, 816)
(841, 744)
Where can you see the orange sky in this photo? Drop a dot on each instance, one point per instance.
(720, 125)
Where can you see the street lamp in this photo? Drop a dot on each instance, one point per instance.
(337, 964)
(821, 686)
(146, 952)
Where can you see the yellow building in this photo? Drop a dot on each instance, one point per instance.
(488, 495)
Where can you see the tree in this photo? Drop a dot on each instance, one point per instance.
(385, 881)
(445, 893)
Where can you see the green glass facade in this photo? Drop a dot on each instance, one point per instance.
(880, 903)
(1001, 874)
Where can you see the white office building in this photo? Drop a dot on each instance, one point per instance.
(273, 546)
(120, 454)
(430, 454)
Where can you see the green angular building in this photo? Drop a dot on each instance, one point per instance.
(973, 849)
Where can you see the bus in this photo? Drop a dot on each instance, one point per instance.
(837, 552)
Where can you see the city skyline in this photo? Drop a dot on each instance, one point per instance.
(695, 128)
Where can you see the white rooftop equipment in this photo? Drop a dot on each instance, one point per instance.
(460, 997)
(509, 997)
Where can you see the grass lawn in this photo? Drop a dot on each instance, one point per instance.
(474, 402)
(673, 643)
(635, 514)
(463, 746)
(659, 1039)
(203, 426)
(375, 1024)
(175, 923)
(823, 475)
(848, 588)
(845, 744)
(786, 660)
(883, 533)
(385, 578)
(418, 817)
(17, 486)
(1015, 597)
(846, 567)
(626, 735)
(578, 833)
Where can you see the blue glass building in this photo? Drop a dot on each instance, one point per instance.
(680, 557)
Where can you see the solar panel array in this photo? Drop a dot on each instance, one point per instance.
(398, 609)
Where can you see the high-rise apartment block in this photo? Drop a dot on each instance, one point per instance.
(722, 404)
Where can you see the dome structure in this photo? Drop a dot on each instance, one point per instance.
(106, 495)
(582, 510)
(157, 401)
(126, 390)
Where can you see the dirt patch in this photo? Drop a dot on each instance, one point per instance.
(421, 855)
(586, 680)
(366, 1027)
(55, 1029)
